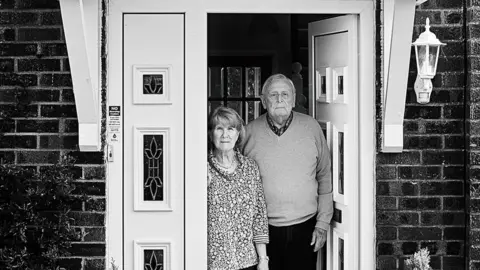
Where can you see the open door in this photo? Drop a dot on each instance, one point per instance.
(333, 90)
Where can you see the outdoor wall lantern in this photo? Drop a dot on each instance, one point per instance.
(427, 49)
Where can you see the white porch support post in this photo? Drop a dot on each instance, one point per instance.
(81, 28)
(398, 17)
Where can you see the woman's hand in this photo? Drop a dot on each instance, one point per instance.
(262, 264)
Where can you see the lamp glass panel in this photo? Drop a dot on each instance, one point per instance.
(432, 60)
(421, 59)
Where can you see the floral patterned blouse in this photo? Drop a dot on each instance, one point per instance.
(237, 215)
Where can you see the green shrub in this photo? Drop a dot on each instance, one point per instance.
(35, 226)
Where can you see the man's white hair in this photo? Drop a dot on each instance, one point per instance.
(277, 77)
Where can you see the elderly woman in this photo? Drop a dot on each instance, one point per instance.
(237, 216)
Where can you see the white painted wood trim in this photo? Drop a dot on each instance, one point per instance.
(367, 139)
(398, 37)
(82, 29)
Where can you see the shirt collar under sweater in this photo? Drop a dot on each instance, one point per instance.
(281, 130)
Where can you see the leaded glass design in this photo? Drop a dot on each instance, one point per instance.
(340, 85)
(253, 81)
(323, 84)
(341, 259)
(153, 259)
(153, 84)
(216, 81)
(340, 162)
(153, 167)
(236, 105)
(337, 215)
(234, 81)
(253, 110)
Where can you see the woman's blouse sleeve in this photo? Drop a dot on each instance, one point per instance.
(260, 220)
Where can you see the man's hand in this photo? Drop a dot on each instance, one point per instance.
(319, 237)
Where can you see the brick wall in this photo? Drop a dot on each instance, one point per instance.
(32, 50)
(421, 192)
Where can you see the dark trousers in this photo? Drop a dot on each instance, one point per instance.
(289, 247)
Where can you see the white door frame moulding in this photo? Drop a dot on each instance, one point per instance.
(82, 25)
(195, 116)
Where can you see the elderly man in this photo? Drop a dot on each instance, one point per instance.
(294, 162)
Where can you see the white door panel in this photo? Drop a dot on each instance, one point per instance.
(334, 94)
(153, 167)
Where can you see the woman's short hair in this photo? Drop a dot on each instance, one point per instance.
(228, 117)
(274, 78)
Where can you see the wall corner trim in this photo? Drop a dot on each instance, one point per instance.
(399, 18)
(82, 30)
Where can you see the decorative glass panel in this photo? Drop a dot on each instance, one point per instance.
(340, 162)
(337, 215)
(153, 84)
(253, 110)
(340, 85)
(237, 106)
(234, 81)
(153, 259)
(341, 264)
(214, 104)
(215, 82)
(253, 82)
(153, 167)
(323, 85)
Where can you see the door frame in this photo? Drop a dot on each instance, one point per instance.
(195, 118)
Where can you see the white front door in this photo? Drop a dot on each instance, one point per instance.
(153, 141)
(333, 81)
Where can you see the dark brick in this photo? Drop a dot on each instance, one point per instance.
(442, 188)
(95, 205)
(38, 4)
(454, 248)
(444, 127)
(419, 203)
(452, 80)
(18, 142)
(42, 157)
(97, 172)
(442, 218)
(19, 111)
(429, 112)
(71, 263)
(403, 158)
(454, 142)
(56, 80)
(13, 49)
(87, 249)
(94, 235)
(448, 32)
(38, 65)
(26, 80)
(384, 262)
(59, 142)
(454, 203)
(446, 96)
(39, 34)
(45, 95)
(94, 264)
(70, 126)
(454, 112)
(386, 203)
(7, 157)
(416, 172)
(66, 65)
(418, 142)
(6, 65)
(410, 127)
(54, 49)
(409, 247)
(454, 233)
(450, 64)
(89, 188)
(453, 263)
(67, 95)
(434, 16)
(397, 188)
(453, 17)
(7, 4)
(18, 18)
(433, 247)
(86, 157)
(51, 18)
(442, 157)
(87, 219)
(453, 172)
(400, 219)
(7, 34)
(420, 233)
(7, 125)
(58, 111)
(386, 233)
(385, 249)
(40, 126)
(453, 48)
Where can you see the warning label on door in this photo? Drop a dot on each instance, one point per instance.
(113, 123)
